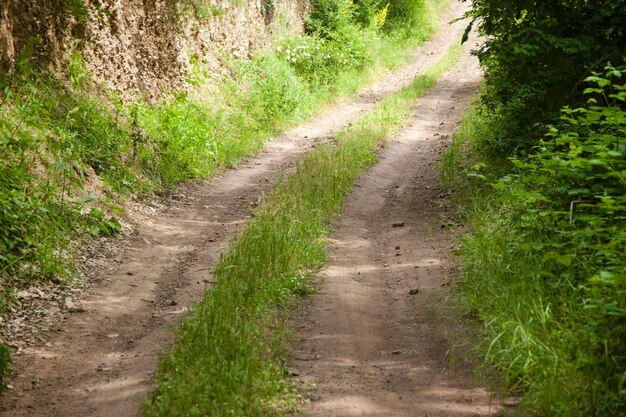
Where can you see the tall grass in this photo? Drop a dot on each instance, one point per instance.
(544, 278)
(229, 356)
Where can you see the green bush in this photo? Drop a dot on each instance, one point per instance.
(51, 140)
(545, 268)
(535, 55)
(317, 60)
(331, 19)
(190, 138)
(406, 16)
(279, 93)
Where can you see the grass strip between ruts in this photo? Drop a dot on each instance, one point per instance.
(228, 359)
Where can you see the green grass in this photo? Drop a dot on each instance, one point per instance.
(542, 286)
(229, 356)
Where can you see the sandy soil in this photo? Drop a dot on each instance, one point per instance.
(374, 341)
(101, 359)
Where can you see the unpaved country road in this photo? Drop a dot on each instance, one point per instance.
(372, 343)
(101, 362)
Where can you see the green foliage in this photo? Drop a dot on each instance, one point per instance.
(78, 9)
(370, 13)
(51, 140)
(191, 138)
(405, 15)
(544, 266)
(229, 357)
(335, 40)
(535, 55)
(316, 60)
(278, 94)
(340, 33)
(331, 19)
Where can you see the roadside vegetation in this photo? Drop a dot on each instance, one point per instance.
(229, 357)
(71, 151)
(539, 166)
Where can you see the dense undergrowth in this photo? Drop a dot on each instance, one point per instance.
(536, 55)
(542, 258)
(72, 150)
(229, 357)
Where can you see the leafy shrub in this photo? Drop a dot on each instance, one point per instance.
(51, 139)
(184, 139)
(370, 13)
(317, 60)
(535, 55)
(550, 261)
(406, 16)
(278, 93)
(191, 138)
(331, 19)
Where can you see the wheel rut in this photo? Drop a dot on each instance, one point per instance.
(373, 341)
(102, 361)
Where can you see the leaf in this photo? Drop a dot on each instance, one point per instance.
(76, 182)
(468, 29)
(87, 199)
(592, 90)
(609, 278)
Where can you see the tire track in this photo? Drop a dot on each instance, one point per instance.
(371, 342)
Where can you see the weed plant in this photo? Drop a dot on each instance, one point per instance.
(543, 265)
(229, 357)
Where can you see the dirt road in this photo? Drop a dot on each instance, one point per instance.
(372, 343)
(102, 358)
